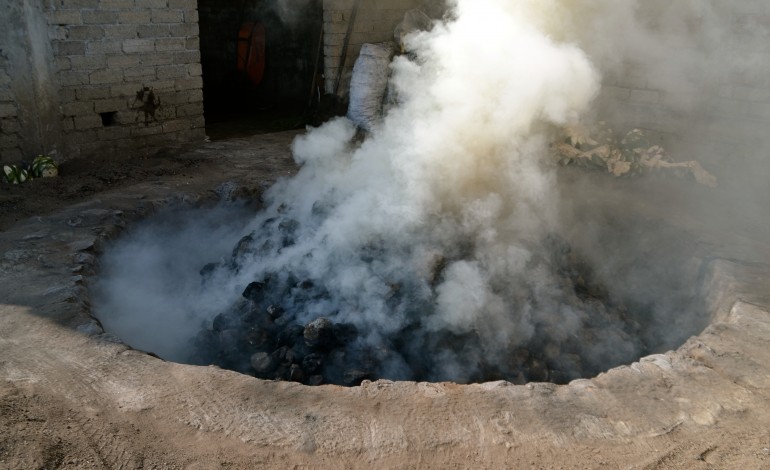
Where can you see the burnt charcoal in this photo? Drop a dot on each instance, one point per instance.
(296, 374)
(288, 227)
(263, 333)
(275, 311)
(315, 380)
(281, 373)
(319, 333)
(307, 284)
(242, 247)
(229, 341)
(344, 333)
(284, 320)
(354, 377)
(290, 335)
(560, 378)
(255, 291)
(207, 271)
(283, 356)
(265, 248)
(224, 321)
(269, 222)
(259, 338)
(320, 208)
(537, 371)
(263, 363)
(312, 363)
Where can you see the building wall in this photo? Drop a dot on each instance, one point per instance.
(716, 108)
(77, 69)
(374, 22)
(10, 139)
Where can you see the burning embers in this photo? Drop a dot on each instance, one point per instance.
(292, 328)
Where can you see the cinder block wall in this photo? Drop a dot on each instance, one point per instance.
(718, 110)
(374, 22)
(10, 139)
(73, 70)
(108, 51)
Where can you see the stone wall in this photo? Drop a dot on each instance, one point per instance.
(374, 22)
(80, 73)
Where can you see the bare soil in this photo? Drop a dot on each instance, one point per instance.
(73, 397)
(81, 179)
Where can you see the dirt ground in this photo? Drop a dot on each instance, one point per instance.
(81, 179)
(73, 397)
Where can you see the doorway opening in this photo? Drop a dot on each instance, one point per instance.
(262, 64)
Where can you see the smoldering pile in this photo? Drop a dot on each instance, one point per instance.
(426, 251)
(289, 327)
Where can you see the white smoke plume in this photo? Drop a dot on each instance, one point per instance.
(458, 173)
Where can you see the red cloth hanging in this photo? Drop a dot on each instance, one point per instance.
(251, 51)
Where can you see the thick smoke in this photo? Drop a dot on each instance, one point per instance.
(149, 292)
(442, 220)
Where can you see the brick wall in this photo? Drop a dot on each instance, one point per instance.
(71, 72)
(374, 23)
(106, 52)
(10, 140)
(718, 109)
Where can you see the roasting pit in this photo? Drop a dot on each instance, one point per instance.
(711, 392)
(644, 297)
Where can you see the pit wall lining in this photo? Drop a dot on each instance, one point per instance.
(94, 56)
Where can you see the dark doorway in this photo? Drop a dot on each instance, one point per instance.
(260, 62)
